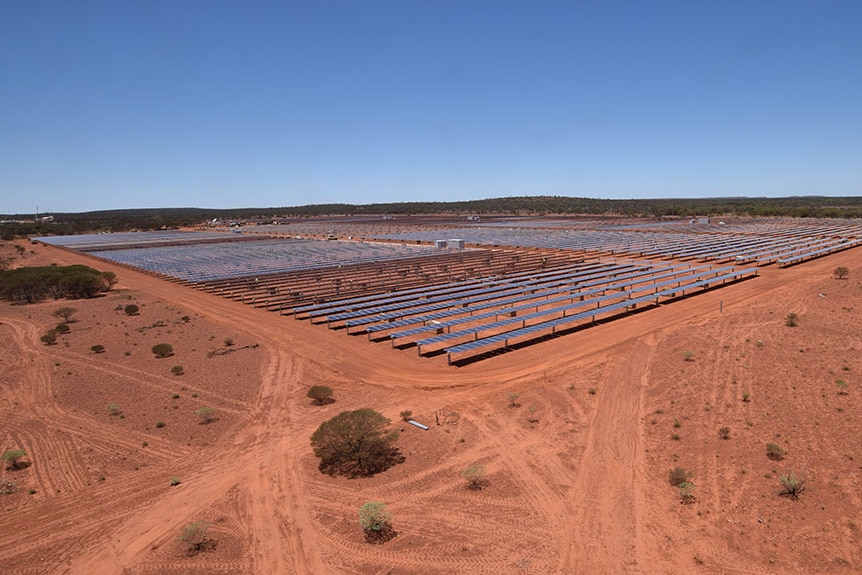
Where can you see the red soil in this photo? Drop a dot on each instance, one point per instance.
(582, 490)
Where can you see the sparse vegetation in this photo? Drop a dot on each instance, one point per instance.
(195, 536)
(206, 414)
(512, 398)
(13, 457)
(841, 272)
(774, 452)
(355, 443)
(163, 350)
(7, 486)
(792, 485)
(792, 320)
(686, 492)
(475, 477)
(320, 395)
(678, 476)
(376, 522)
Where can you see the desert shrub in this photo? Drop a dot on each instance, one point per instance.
(114, 409)
(475, 476)
(686, 492)
(746, 397)
(186, 319)
(195, 536)
(163, 350)
(406, 415)
(724, 432)
(49, 338)
(355, 443)
(792, 320)
(97, 348)
(61, 328)
(678, 476)
(228, 341)
(7, 486)
(160, 424)
(842, 387)
(792, 485)
(177, 370)
(174, 481)
(206, 414)
(512, 398)
(320, 394)
(841, 272)
(774, 451)
(131, 309)
(376, 522)
(13, 456)
(688, 355)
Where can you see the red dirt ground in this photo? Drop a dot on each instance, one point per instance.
(583, 490)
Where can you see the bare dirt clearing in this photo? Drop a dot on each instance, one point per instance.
(581, 489)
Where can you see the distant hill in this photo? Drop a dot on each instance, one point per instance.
(155, 218)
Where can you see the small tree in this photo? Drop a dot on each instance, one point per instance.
(131, 309)
(13, 456)
(475, 476)
(195, 535)
(49, 338)
(512, 397)
(792, 320)
(841, 272)
(206, 414)
(66, 313)
(792, 485)
(774, 452)
(355, 443)
(320, 394)
(376, 522)
(163, 350)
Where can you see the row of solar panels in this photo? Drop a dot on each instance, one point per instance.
(567, 321)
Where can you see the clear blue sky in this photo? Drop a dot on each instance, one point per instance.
(150, 103)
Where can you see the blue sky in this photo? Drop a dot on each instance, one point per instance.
(130, 104)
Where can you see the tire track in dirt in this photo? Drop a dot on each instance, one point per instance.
(607, 500)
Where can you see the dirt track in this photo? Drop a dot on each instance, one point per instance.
(582, 490)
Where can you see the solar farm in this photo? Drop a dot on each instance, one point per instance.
(503, 284)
